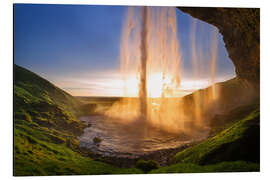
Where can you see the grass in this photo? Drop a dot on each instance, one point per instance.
(223, 121)
(235, 166)
(46, 104)
(43, 157)
(46, 129)
(235, 149)
(238, 142)
(147, 166)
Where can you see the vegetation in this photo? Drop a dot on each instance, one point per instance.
(236, 166)
(147, 166)
(235, 149)
(241, 141)
(39, 157)
(45, 131)
(223, 121)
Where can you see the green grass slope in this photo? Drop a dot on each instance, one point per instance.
(46, 104)
(241, 141)
(235, 149)
(45, 131)
(234, 166)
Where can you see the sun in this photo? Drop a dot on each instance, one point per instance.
(156, 85)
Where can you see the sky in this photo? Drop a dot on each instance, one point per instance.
(77, 47)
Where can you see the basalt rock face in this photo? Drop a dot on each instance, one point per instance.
(240, 28)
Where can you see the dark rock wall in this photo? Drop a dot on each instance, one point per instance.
(240, 28)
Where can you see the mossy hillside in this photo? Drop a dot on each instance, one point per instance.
(147, 166)
(46, 104)
(222, 121)
(235, 166)
(41, 150)
(45, 131)
(236, 98)
(46, 157)
(241, 141)
(45, 141)
(235, 149)
(42, 90)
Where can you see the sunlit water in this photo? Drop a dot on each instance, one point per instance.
(128, 139)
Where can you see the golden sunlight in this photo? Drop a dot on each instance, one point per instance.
(156, 85)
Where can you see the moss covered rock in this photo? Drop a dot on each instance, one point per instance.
(147, 166)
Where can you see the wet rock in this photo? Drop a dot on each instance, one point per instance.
(97, 140)
(147, 166)
(240, 28)
(163, 157)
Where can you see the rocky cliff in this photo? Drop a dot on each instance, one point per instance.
(240, 28)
